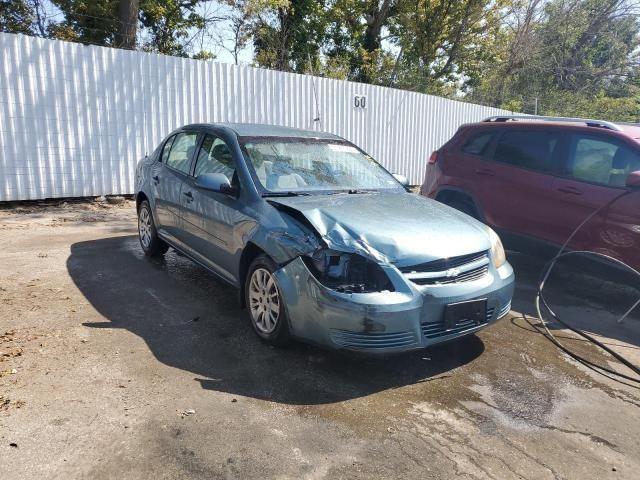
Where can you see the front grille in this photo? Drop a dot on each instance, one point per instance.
(373, 340)
(437, 329)
(464, 268)
(468, 276)
(444, 263)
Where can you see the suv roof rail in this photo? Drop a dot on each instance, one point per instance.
(587, 121)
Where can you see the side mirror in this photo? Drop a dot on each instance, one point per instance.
(402, 179)
(215, 182)
(633, 181)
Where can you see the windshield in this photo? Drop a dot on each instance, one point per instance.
(308, 165)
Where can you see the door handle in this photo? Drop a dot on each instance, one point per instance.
(156, 179)
(570, 190)
(485, 172)
(189, 195)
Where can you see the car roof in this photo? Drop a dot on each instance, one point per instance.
(262, 130)
(631, 131)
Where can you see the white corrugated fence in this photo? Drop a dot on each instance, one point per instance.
(75, 119)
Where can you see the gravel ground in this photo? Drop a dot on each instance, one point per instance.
(115, 366)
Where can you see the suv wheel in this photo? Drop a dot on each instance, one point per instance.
(152, 245)
(264, 302)
(463, 207)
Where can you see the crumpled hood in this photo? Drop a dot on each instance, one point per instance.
(398, 228)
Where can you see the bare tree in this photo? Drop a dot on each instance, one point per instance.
(40, 17)
(521, 20)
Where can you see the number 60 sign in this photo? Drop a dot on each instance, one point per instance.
(360, 101)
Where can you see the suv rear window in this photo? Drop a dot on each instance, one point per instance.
(532, 149)
(478, 144)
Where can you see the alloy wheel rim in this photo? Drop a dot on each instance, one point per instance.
(264, 300)
(144, 227)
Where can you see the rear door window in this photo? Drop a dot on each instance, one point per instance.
(478, 144)
(184, 145)
(601, 160)
(530, 149)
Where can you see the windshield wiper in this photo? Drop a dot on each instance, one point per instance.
(351, 191)
(354, 191)
(285, 194)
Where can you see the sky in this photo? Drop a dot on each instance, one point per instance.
(220, 35)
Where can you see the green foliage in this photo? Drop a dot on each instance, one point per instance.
(287, 35)
(577, 58)
(170, 24)
(445, 43)
(354, 40)
(94, 22)
(204, 55)
(599, 105)
(16, 16)
(573, 58)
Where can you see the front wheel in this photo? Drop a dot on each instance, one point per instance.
(151, 244)
(264, 302)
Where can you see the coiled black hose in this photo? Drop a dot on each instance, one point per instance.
(541, 298)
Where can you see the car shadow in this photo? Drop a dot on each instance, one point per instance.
(193, 322)
(587, 296)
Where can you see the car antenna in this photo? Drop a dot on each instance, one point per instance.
(315, 92)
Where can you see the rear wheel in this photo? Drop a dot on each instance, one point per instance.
(264, 302)
(151, 244)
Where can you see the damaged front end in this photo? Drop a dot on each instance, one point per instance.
(347, 272)
(349, 300)
(325, 310)
(348, 288)
(338, 309)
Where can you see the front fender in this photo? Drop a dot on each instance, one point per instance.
(283, 245)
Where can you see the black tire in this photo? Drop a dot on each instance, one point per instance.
(152, 245)
(259, 301)
(463, 207)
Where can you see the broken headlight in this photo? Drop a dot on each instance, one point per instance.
(347, 272)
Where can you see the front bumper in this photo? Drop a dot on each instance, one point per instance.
(410, 318)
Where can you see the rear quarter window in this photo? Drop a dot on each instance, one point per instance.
(478, 143)
(166, 148)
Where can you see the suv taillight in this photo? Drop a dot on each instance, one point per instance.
(433, 158)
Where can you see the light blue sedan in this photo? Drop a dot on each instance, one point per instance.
(322, 242)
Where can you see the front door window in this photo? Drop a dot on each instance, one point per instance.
(179, 157)
(601, 160)
(214, 156)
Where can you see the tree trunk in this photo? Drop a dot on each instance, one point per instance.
(376, 19)
(128, 17)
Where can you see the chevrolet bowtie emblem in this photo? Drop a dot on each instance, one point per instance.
(452, 272)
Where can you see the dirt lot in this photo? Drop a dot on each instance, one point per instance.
(114, 366)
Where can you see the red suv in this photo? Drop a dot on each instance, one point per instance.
(539, 178)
